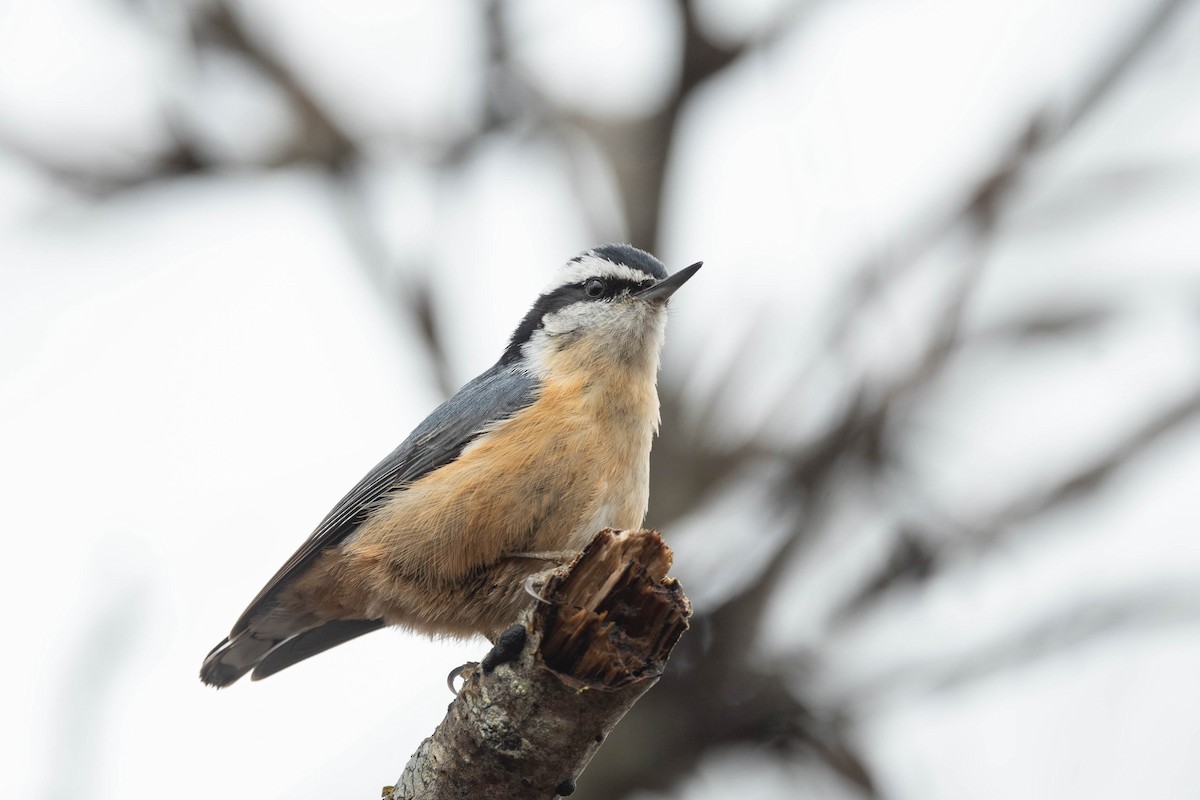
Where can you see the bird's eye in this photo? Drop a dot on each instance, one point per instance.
(594, 287)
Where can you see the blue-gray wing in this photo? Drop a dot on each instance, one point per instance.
(494, 395)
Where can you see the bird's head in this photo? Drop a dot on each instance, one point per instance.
(606, 305)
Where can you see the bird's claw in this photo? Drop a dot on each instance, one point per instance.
(532, 587)
(460, 672)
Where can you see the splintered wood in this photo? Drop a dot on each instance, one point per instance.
(613, 616)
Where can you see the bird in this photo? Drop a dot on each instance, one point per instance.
(517, 470)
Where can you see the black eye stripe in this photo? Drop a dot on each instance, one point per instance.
(611, 287)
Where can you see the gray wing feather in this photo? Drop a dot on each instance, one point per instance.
(495, 395)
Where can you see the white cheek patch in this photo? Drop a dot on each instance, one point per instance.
(587, 314)
(536, 351)
(590, 266)
(564, 326)
(632, 333)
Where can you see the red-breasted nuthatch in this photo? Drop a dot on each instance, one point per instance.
(519, 468)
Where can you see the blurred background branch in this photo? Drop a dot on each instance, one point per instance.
(828, 412)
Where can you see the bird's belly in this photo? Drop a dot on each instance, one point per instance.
(433, 556)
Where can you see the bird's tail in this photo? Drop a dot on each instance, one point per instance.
(233, 658)
(251, 650)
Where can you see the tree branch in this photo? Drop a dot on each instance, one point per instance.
(532, 715)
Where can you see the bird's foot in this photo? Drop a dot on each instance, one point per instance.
(535, 583)
(460, 672)
(507, 648)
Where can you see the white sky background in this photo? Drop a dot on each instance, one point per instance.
(191, 375)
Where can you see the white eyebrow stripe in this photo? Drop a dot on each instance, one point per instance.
(591, 266)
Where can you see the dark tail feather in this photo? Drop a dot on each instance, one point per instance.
(231, 659)
(312, 642)
(247, 650)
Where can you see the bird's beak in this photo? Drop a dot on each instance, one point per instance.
(667, 286)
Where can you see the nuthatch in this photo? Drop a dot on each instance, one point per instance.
(518, 469)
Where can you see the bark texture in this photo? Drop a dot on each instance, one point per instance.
(531, 716)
